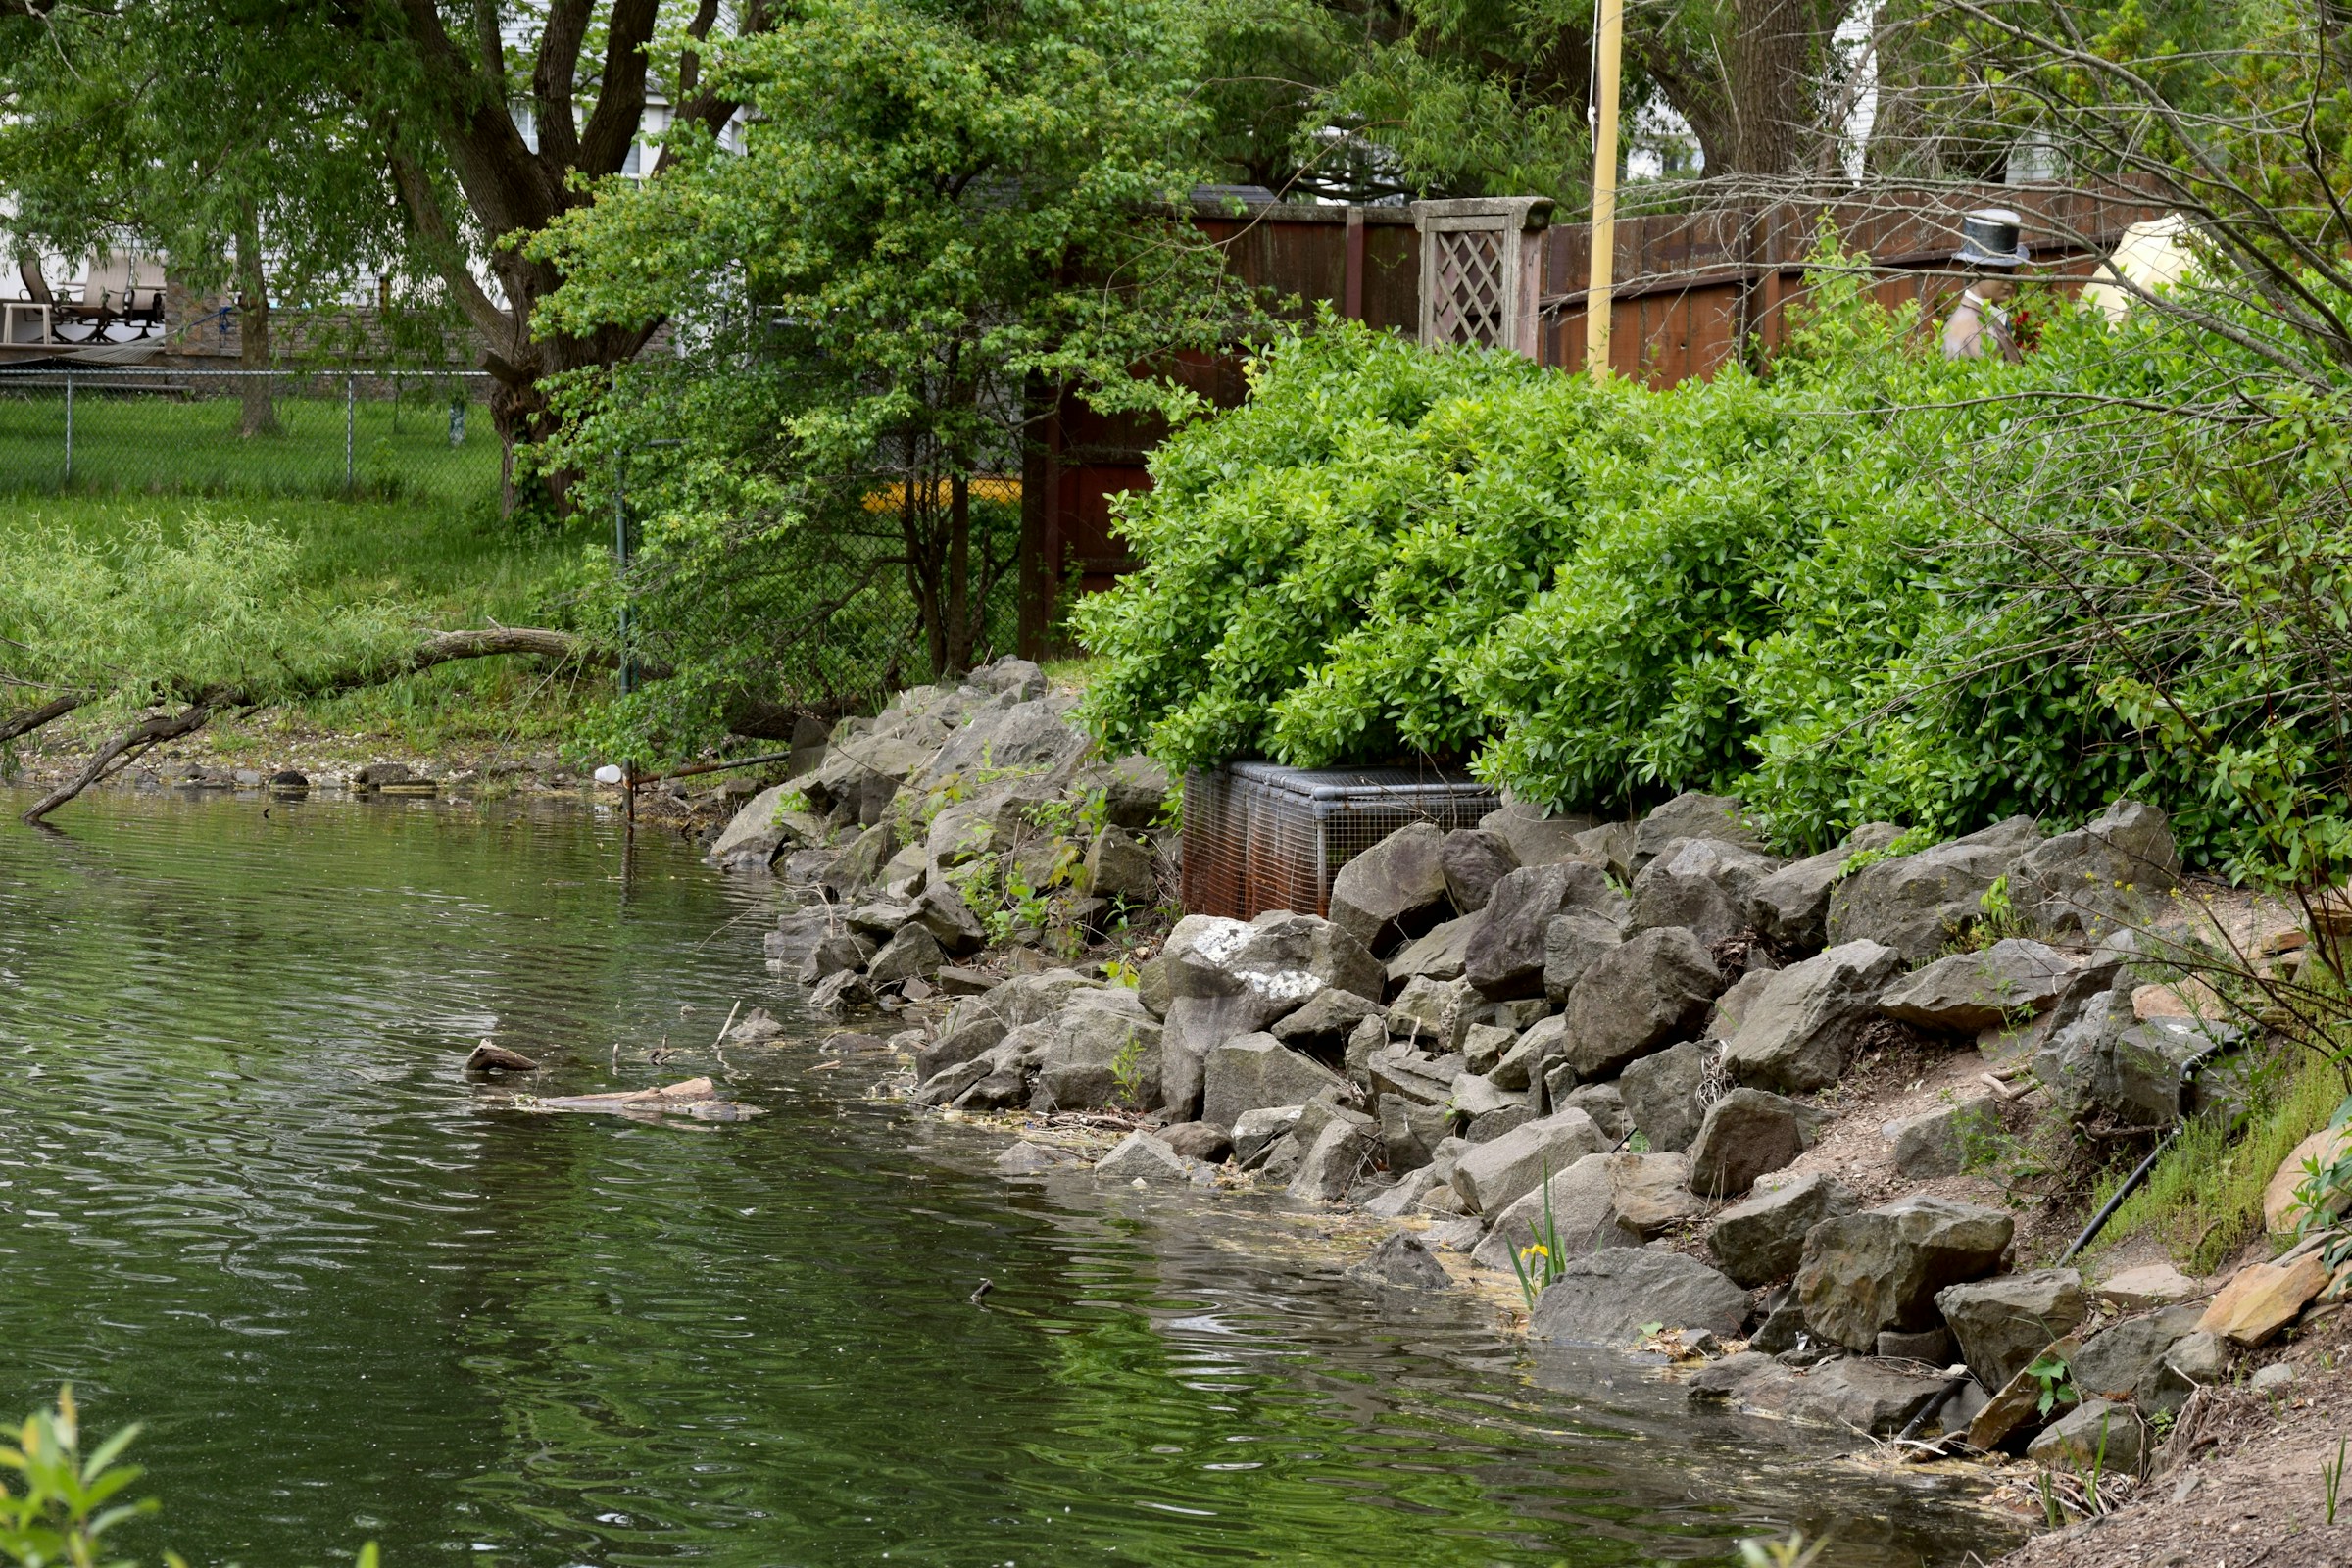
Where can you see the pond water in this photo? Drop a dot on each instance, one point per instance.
(247, 1197)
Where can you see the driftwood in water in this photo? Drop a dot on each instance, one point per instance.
(441, 647)
(695, 1096)
(487, 1057)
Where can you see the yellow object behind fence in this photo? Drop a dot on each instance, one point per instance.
(984, 488)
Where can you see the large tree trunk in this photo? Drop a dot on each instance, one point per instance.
(1753, 99)
(260, 417)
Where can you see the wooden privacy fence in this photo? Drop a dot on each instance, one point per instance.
(1693, 290)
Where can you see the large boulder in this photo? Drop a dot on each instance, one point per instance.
(1969, 992)
(1938, 1141)
(1394, 888)
(1693, 816)
(2107, 1063)
(1915, 903)
(1572, 944)
(1142, 1158)
(1659, 1094)
(1227, 978)
(1029, 739)
(942, 912)
(1434, 1014)
(1700, 883)
(1763, 1239)
(1341, 1152)
(1491, 1176)
(1105, 1052)
(2127, 1360)
(2003, 1324)
(1746, 1134)
(755, 835)
(1601, 1200)
(2101, 877)
(1852, 1393)
(1880, 1269)
(2096, 1435)
(1646, 992)
(1791, 905)
(1256, 1072)
(959, 1045)
(1404, 1262)
(1437, 954)
(1536, 839)
(1322, 1026)
(1607, 1298)
(1474, 861)
(1799, 1032)
(1118, 867)
(1505, 955)
(911, 954)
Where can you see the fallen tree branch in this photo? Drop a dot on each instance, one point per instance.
(441, 647)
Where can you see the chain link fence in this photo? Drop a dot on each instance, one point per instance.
(167, 430)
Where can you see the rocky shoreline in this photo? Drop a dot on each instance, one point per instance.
(1645, 1063)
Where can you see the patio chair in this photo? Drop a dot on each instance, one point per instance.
(36, 288)
(148, 319)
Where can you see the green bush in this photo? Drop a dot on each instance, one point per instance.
(1870, 583)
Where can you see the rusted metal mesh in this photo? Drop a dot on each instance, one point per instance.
(1259, 837)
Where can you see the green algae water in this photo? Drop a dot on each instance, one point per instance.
(248, 1199)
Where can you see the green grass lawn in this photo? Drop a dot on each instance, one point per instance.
(159, 445)
(455, 560)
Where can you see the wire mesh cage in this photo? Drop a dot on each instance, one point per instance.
(1259, 837)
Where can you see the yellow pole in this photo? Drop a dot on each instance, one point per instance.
(1605, 192)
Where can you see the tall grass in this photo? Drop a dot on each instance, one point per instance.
(2204, 1199)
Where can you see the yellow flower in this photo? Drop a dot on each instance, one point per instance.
(1537, 1250)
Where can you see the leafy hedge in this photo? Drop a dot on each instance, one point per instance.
(1871, 584)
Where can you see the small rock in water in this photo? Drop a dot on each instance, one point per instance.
(289, 782)
(754, 1028)
(1027, 1160)
(1405, 1260)
(487, 1057)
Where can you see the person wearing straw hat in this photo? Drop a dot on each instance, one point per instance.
(1992, 249)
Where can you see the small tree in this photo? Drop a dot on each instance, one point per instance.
(945, 214)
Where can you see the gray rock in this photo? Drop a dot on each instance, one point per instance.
(1141, 1157)
(1094, 1040)
(1255, 1071)
(2127, 1360)
(1572, 945)
(1323, 1025)
(942, 912)
(1606, 1298)
(2199, 1359)
(1474, 1096)
(1400, 1196)
(1534, 838)
(1029, 738)
(1412, 1078)
(1118, 867)
(1031, 1159)
(1196, 1026)
(1405, 1261)
(1474, 861)
(1434, 1013)
(1800, 1030)
(1257, 1131)
(1651, 990)
(1489, 1125)
(957, 1046)
(1880, 1269)
(1763, 1239)
(1915, 903)
(1438, 954)
(1936, 1142)
(1852, 1393)
(753, 836)
(1746, 1134)
(835, 954)
(1611, 846)
(1367, 1037)
(1489, 1176)
(836, 996)
(1653, 1193)
(2097, 1433)
(1506, 957)
(1932, 1345)
(1660, 1095)
(911, 954)
(879, 919)
(861, 863)
(1700, 883)
(1199, 1140)
(1412, 1132)
(1485, 1044)
(1516, 1070)
(1394, 890)
(1791, 905)
(2103, 877)
(1693, 816)
(2105, 1062)
(1031, 998)
(2003, 1324)
(1969, 992)
(1573, 1212)
(1784, 1325)
(1282, 1160)
(1605, 1104)
(1341, 1152)
(1285, 959)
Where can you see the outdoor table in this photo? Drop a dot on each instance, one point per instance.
(7, 320)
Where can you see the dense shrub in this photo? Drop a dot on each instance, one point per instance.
(1869, 584)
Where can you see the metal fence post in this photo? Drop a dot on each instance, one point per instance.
(350, 409)
(69, 424)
